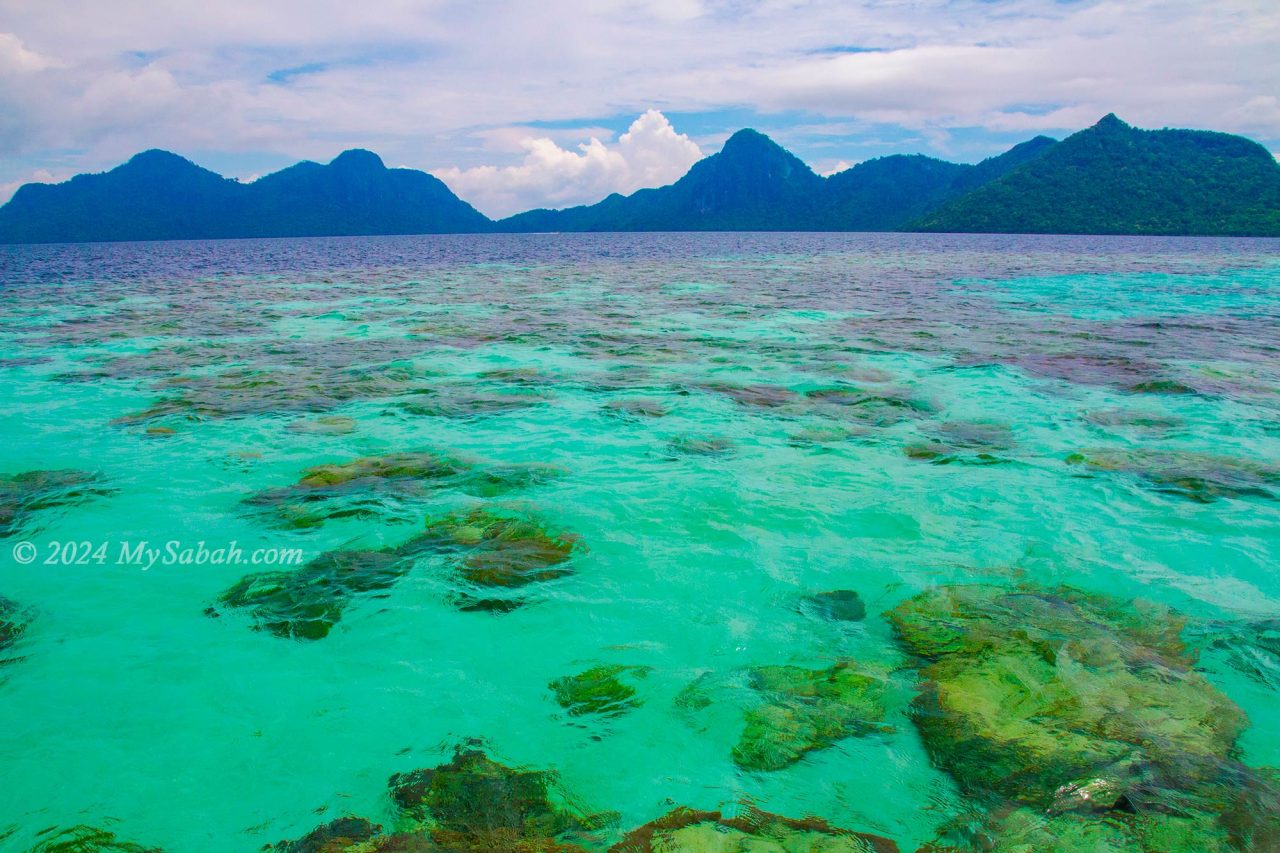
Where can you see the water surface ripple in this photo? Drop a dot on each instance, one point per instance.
(595, 502)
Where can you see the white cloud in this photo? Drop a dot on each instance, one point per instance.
(649, 154)
(15, 58)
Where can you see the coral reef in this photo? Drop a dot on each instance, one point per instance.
(1072, 705)
(86, 839)
(837, 605)
(1200, 477)
(686, 830)
(806, 710)
(28, 492)
(599, 690)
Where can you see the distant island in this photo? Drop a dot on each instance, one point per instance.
(1108, 179)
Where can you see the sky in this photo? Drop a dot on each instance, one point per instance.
(553, 103)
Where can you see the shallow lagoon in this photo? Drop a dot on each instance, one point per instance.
(716, 428)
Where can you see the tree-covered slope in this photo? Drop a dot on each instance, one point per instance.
(355, 194)
(154, 196)
(881, 194)
(1116, 179)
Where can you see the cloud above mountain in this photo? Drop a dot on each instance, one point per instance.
(649, 154)
(246, 86)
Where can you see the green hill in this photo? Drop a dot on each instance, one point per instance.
(1116, 179)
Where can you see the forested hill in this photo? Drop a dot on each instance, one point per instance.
(1117, 179)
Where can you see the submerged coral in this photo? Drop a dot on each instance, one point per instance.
(470, 404)
(964, 443)
(938, 453)
(1068, 703)
(305, 604)
(880, 409)
(473, 803)
(976, 435)
(29, 492)
(86, 839)
(637, 407)
(1023, 830)
(316, 388)
(599, 690)
(1138, 420)
(686, 830)
(818, 436)
(12, 623)
(758, 396)
(1200, 477)
(837, 605)
(323, 425)
(689, 445)
(336, 836)
(487, 550)
(1161, 386)
(496, 550)
(807, 710)
(372, 486)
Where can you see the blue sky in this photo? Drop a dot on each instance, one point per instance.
(521, 104)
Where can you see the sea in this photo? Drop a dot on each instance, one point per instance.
(700, 438)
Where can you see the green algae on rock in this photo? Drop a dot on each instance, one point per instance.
(323, 425)
(1161, 386)
(807, 710)
(637, 407)
(495, 551)
(1026, 830)
(1137, 420)
(687, 830)
(881, 409)
(473, 803)
(13, 622)
(305, 604)
(836, 605)
(964, 443)
(470, 404)
(313, 389)
(598, 690)
(1068, 703)
(86, 839)
(370, 486)
(756, 396)
(976, 435)
(392, 468)
(937, 453)
(336, 836)
(690, 445)
(28, 492)
(1200, 477)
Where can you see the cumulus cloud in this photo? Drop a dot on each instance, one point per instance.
(649, 154)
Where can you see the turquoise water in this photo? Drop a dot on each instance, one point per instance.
(703, 515)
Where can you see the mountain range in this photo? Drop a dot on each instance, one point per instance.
(1107, 179)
